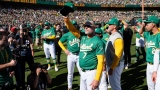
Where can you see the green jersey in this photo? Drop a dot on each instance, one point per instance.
(72, 42)
(137, 34)
(89, 49)
(105, 38)
(152, 42)
(5, 57)
(38, 33)
(47, 33)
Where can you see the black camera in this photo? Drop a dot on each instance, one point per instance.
(43, 66)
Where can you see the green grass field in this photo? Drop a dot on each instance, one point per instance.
(132, 79)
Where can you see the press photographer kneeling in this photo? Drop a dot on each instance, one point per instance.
(24, 39)
(6, 61)
(39, 79)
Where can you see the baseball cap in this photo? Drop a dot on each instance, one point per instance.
(89, 23)
(152, 19)
(13, 29)
(113, 21)
(98, 30)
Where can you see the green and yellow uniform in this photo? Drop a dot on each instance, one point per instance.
(72, 42)
(50, 34)
(152, 43)
(91, 54)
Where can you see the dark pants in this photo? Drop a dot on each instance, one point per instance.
(58, 52)
(140, 50)
(18, 75)
(30, 62)
(7, 87)
(127, 54)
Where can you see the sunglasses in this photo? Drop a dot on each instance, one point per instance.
(88, 26)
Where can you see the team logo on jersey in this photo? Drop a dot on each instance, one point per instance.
(74, 41)
(150, 44)
(48, 34)
(84, 47)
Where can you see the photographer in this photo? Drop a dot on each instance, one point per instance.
(39, 79)
(13, 45)
(26, 51)
(6, 61)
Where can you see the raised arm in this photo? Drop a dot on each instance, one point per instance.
(71, 27)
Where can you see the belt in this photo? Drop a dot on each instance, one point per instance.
(75, 53)
(150, 63)
(84, 70)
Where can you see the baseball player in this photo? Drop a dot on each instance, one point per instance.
(91, 55)
(72, 54)
(103, 83)
(152, 38)
(38, 36)
(139, 41)
(48, 36)
(114, 54)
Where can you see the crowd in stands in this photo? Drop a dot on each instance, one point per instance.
(132, 2)
(15, 16)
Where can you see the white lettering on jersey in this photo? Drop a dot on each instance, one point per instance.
(48, 34)
(74, 41)
(84, 47)
(150, 44)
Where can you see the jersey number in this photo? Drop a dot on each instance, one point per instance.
(153, 50)
(84, 54)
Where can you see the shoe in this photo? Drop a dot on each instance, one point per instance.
(109, 86)
(49, 68)
(69, 89)
(56, 68)
(126, 67)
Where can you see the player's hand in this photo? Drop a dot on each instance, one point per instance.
(67, 52)
(94, 84)
(65, 18)
(11, 74)
(38, 71)
(154, 76)
(110, 72)
(12, 63)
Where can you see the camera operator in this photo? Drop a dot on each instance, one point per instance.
(26, 51)
(39, 79)
(6, 61)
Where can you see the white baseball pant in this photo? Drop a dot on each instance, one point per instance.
(103, 82)
(115, 78)
(151, 85)
(49, 49)
(71, 61)
(86, 79)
